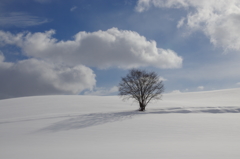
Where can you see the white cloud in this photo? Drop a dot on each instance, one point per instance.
(2, 58)
(238, 83)
(162, 79)
(37, 77)
(4, 65)
(44, 1)
(200, 88)
(102, 91)
(102, 49)
(20, 19)
(181, 23)
(143, 5)
(61, 67)
(113, 89)
(218, 19)
(176, 91)
(73, 8)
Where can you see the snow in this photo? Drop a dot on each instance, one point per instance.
(180, 126)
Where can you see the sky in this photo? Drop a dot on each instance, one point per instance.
(50, 47)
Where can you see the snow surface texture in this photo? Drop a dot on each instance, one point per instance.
(181, 126)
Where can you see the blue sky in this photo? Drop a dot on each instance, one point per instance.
(86, 46)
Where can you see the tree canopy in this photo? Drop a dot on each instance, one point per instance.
(142, 86)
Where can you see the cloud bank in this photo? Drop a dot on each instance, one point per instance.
(101, 49)
(218, 19)
(62, 67)
(37, 77)
(20, 19)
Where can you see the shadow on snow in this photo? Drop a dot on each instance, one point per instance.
(88, 120)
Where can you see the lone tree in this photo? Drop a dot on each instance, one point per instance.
(142, 86)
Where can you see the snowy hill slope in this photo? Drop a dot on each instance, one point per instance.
(184, 125)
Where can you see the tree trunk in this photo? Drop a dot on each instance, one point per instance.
(142, 107)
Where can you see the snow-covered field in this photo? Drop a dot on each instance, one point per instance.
(202, 125)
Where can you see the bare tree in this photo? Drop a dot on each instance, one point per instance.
(142, 86)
